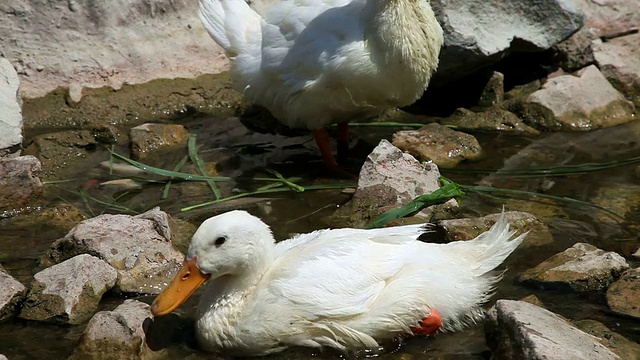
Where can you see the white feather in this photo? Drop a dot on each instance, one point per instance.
(343, 288)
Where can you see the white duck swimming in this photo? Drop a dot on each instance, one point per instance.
(312, 63)
(342, 288)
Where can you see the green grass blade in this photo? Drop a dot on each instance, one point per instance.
(178, 167)
(446, 192)
(289, 183)
(197, 160)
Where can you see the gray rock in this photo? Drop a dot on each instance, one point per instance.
(138, 247)
(117, 334)
(12, 292)
(69, 292)
(621, 346)
(469, 228)
(147, 139)
(390, 178)
(19, 183)
(582, 267)
(2, 357)
(623, 295)
(440, 144)
(583, 101)
(479, 32)
(75, 50)
(619, 61)
(494, 119)
(523, 331)
(10, 109)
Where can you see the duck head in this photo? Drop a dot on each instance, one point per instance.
(235, 244)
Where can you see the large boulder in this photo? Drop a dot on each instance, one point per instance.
(480, 32)
(69, 292)
(619, 61)
(86, 43)
(523, 331)
(138, 247)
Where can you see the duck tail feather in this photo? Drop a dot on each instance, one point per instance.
(496, 245)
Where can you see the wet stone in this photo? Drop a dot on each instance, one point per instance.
(138, 247)
(19, 182)
(440, 144)
(493, 92)
(523, 331)
(149, 138)
(388, 179)
(621, 346)
(623, 295)
(68, 292)
(470, 228)
(495, 119)
(622, 199)
(583, 101)
(117, 334)
(582, 267)
(533, 299)
(12, 292)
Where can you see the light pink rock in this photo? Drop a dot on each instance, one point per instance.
(619, 61)
(583, 101)
(85, 43)
(138, 247)
(69, 292)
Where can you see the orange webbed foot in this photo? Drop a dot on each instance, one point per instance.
(429, 325)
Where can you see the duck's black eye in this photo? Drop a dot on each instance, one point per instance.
(220, 241)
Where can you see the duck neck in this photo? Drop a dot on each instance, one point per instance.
(404, 32)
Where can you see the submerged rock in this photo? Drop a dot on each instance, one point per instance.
(117, 334)
(621, 346)
(523, 331)
(69, 292)
(623, 295)
(61, 150)
(469, 228)
(440, 144)
(19, 182)
(583, 101)
(138, 247)
(12, 292)
(582, 267)
(480, 32)
(147, 139)
(10, 109)
(388, 179)
(494, 119)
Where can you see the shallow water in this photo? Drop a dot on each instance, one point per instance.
(242, 152)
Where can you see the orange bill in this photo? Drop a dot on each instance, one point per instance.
(187, 280)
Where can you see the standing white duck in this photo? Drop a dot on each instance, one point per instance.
(342, 288)
(312, 63)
